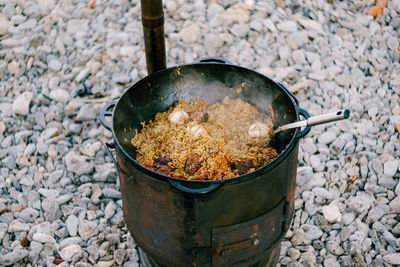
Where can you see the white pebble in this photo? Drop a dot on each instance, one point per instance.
(21, 104)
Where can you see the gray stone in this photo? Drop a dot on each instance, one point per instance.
(86, 113)
(390, 167)
(304, 175)
(327, 137)
(190, 34)
(105, 172)
(78, 164)
(4, 24)
(17, 226)
(131, 264)
(43, 238)
(240, 30)
(312, 232)
(393, 43)
(72, 225)
(119, 256)
(3, 230)
(63, 199)
(332, 213)
(21, 103)
(308, 257)
(111, 193)
(392, 258)
(113, 238)
(337, 145)
(60, 95)
(387, 181)
(237, 12)
(334, 248)
(293, 253)
(9, 162)
(395, 203)
(287, 26)
(322, 192)
(82, 74)
(375, 213)
(311, 24)
(14, 256)
(55, 65)
(71, 240)
(70, 251)
(213, 41)
(361, 202)
(49, 193)
(110, 210)
(87, 229)
(121, 78)
(96, 193)
(51, 209)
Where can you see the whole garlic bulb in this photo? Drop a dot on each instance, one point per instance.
(196, 131)
(178, 117)
(258, 129)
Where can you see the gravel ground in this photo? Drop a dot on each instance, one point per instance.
(60, 199)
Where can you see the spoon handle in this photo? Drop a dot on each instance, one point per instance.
(316, 120)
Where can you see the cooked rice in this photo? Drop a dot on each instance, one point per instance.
(212, 144)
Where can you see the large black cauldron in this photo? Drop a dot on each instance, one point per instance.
(234, 222)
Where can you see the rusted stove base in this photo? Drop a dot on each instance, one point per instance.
(270, 261)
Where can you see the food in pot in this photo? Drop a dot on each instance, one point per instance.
(200, 141)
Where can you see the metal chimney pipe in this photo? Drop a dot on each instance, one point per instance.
(153, 30)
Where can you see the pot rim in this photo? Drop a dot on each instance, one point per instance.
(257, 173)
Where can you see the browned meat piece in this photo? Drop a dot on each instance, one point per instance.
(200, 116)
(192, 164)
(164, 169)
(242, 165)
(163, 160)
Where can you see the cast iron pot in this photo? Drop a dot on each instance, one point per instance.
(233, 222)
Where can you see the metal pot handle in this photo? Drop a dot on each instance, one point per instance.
(107, 111)
(212, 60)
(302, 133)
(107, 147)
(196, 191)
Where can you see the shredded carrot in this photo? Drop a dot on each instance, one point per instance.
(148, 164)
(177, 175)
(227, 158)
(272, 112)
(216, 158)
(177, 84)
(221, 146)
(91, 4)
(201, 169)
(218, 176)
(354, 179)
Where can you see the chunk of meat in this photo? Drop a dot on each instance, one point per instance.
(163, 160)
(199, 117)
(192, 164)
(242, 165)
(164, 169)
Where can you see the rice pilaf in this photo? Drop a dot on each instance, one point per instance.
(199, 141)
